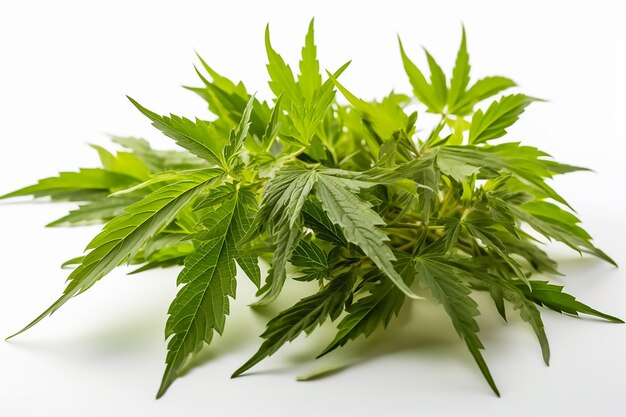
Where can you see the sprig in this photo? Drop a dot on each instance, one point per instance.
(350, 196)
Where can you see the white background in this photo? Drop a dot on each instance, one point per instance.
(64, 70)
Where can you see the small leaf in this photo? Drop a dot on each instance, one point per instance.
(457, 170)
(304, 316)
(309, 79)
(481, 90)
(378, 307)
(447, 289)
(460, 76)
(238, 135)
(422, 90)
(437, 81)
(282, 80)
(199, 137)
(553, 297)
(500, 115)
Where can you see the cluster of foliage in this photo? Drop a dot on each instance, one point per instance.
(351, 196)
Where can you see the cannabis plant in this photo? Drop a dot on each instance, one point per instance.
(356, 196)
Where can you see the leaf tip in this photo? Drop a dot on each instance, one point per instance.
(162, 390)
(132, 100)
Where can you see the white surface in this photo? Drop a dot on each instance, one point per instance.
(65, 67)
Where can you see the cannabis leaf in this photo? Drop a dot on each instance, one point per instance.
(378, 307)
(452, 293)
(304, 316)
(208, 279)
(358, 222)
(199, 137)
(500, 115)
(122, 237)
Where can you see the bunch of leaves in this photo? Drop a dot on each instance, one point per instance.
(359, 198)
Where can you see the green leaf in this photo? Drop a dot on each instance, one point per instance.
(481, 90)
(310, 255)
(555, 223)
(358, 222)
(280, 210)
(527, 249)
(95, 212)
(305, 117)
(85, 185)
(199, 137)
(457, 170)
(227, 100)
(530, 314)
(437, 81)
(123, 236)
(317, 220)
(282, 80)
(304, 316)
(309, 79)
(157, 160)
(242, 220)
(312, 260)
(208, 280)
(501, 114)
(238, 135)
(452, 293)
(286, 238)
(526, 163)
(123, 163)
(380, 306)
(271, 133)
(553, 297)
(460, 76)
(422, 90)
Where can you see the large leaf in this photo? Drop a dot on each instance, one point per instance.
(207, 280)
(123, 236)
(280, 210)
(358, 222)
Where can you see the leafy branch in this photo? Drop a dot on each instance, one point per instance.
(378, 209)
